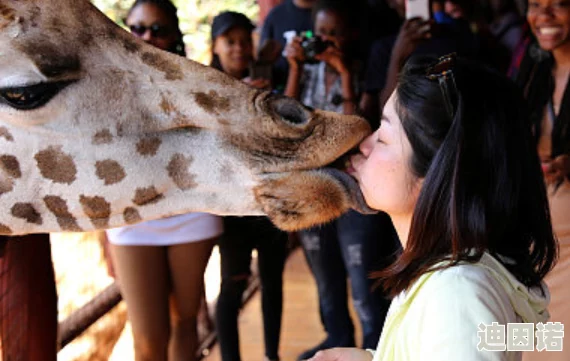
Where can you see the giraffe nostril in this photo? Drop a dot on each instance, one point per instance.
(291, 110)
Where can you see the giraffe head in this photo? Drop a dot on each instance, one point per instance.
(98, 130)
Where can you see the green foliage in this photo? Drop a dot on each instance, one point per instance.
(195, 19)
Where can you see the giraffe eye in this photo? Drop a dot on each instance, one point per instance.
(30, 97)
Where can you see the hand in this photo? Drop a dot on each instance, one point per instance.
(412, 33)
(259, 83)
(342, 354)
(333, 57)
(557, 169)
(294, 52)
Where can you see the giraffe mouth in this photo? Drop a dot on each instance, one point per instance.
(352, 189)
(337, 170)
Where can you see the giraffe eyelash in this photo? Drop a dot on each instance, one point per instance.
(32, 96)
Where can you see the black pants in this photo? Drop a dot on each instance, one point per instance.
(241, 236)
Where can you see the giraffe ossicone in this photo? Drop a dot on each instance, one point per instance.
(99, 130)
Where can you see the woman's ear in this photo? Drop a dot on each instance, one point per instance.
(215, 45)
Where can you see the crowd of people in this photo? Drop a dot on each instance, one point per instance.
(468, 166)
(468, 169)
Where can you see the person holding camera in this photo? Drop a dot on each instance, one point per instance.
(324, 74)
(232, 53)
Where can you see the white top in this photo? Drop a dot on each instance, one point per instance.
(184, 228)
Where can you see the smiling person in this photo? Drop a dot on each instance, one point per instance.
(543, 74)
(454, 165)
(232, 53)
(232, 47)
(160, 264)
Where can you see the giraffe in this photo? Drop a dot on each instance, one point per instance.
(100, 130)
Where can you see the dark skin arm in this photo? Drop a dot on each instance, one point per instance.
(334, 58)
(412, 33)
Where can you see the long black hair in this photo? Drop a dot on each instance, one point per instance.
(171, 13)
(535, 78)
(483, 189)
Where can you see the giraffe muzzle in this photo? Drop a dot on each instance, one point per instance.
(352, 189)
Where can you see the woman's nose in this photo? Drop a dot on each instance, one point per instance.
(367, 144)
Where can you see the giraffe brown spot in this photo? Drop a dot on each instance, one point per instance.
(178, 171)
(8, 15)
(6, 185)
(4, 133)
(56, 23)
(50, 58)
(58, 206)
(131, 45)
(102, 137)
(144, 196)
(148, 146)
(216, 77)
(34, 15)
(212, 102)
(10, 165)
(167, 106)
(131, 215)
(110, 171)
(163, 64)
(224, 122)
(56, 165)
(97, 209)
(85, 38)
(5, 230)
(28, 212)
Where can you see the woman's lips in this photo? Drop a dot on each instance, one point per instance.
(349, 166)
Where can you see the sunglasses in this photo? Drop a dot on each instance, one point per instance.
(156, 30)
(442, 71)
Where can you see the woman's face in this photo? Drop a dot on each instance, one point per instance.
(330, 26)
(550, 22)
(235, 49)
(150, 23)
(454, 10)
(382, 168)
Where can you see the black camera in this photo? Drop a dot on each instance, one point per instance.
(313, 45)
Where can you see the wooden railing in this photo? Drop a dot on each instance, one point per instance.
(81, 319)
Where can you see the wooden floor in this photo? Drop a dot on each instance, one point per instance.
(301, 328)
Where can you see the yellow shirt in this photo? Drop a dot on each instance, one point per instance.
(438, 318)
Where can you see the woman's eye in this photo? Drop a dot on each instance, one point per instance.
(30, 97)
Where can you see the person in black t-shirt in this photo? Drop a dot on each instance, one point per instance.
(290, 15)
